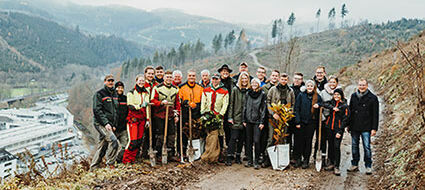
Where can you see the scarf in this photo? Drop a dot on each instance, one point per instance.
(360, 95)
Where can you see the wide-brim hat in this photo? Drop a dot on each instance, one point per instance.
(225, 67)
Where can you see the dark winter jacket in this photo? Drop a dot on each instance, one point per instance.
(255, 109)
(122, 113)
(320, 85)
(364, 112)
(105, 103)
(302, 109)
(266, 88)
(228, 84)
(297, 89)
(237, 102)
(337, 120)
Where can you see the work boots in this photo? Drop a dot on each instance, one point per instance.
(228, 161)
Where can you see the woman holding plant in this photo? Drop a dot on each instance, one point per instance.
(254, 114)
(306, 119)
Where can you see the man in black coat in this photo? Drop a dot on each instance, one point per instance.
(364, 119)
(105, 102)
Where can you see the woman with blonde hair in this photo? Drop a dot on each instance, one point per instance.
(237, 135)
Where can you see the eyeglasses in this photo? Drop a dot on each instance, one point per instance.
(110, 80)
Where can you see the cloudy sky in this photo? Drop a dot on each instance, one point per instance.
(264, 11)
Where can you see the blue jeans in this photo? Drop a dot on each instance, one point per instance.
(355, 141)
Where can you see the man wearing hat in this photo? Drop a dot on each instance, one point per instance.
(227, 82)
(243, 67)
(122, 112)
(215, 98)
(105, 102)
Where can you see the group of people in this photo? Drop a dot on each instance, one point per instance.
(242, 103)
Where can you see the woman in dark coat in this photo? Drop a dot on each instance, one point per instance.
(306, 119)
(335, 124)
(254, 114)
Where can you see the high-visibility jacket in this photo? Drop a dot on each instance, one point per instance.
(138, 100)
(215, 99)
(169, 93)
(190, 94)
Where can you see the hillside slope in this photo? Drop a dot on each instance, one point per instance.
(399, 160)
(338, 48)
(27, 40)
(157, 28)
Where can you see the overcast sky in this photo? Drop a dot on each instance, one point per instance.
(264, 11)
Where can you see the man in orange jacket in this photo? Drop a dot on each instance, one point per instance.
(190, 94)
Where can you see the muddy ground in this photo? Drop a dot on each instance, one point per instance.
(205, 176)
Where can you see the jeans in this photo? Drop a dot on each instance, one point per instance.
(355, 140)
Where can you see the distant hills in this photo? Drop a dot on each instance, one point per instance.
(33, 44)
(338, 48)
(158, 28)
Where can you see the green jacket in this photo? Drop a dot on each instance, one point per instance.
(237, 101)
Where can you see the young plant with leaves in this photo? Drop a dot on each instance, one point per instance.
(280, 127)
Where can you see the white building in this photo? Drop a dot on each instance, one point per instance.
(7, 165)
(40, 129)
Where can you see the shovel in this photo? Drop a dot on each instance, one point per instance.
(181, 136)
(190, 150)
(319, 152)
(164, 144)
(151, 152)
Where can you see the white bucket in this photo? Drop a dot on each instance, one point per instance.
(199, 146)
(279, 156)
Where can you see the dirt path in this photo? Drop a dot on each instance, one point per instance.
(239, 177)
(356, 180)
(254, 57)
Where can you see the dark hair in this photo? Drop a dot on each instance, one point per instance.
(340, 92)
(149, 68)
(159, 68)
(277, 71)
(363, 79)
(119, 83)
(299, 74)
(261, 67)
(284, 75)
(333, 77)
(168, 72)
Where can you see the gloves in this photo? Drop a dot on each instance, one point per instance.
(185, 103)
(108, 127)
